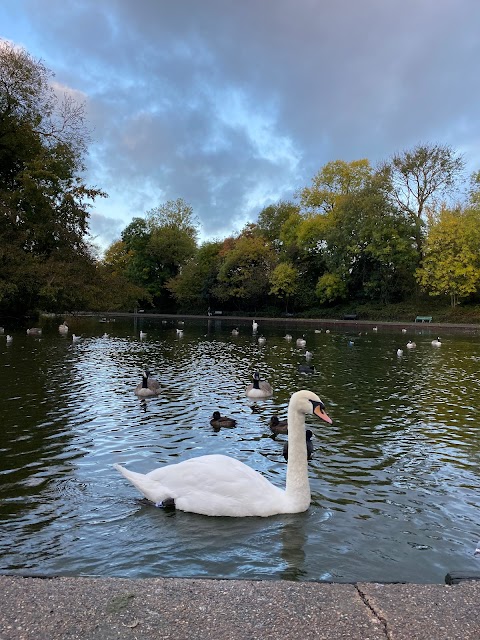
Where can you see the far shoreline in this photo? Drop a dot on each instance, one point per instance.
(320, 322)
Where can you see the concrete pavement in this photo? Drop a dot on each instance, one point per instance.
(188, 609)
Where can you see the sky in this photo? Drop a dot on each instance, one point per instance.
(234, 105)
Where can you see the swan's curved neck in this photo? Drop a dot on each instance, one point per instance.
(297, 487)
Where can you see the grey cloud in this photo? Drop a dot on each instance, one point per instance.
(312, 82)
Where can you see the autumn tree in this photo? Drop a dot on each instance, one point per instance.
(284, 282)
(451, 263)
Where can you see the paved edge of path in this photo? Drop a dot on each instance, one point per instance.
(184, 608)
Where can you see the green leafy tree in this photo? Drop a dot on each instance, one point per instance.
(246, 264)
(334, 180)
(44, 200)
(331, 287)
(419, 178)
(451, 264)
(272, 219)
(284, 282)
(194, 285)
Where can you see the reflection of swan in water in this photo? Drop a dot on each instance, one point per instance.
(217, 485)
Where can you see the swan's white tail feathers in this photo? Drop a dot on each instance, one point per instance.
(151, 489)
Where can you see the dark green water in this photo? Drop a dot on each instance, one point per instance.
(395, 480)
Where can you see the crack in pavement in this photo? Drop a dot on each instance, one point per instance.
(371, 608)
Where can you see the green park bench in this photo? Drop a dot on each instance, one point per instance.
(423, 319)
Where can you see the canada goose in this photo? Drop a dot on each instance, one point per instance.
(278, 426)
(148, 387)
(218, 421)
(258, 388)
(308, 439)
(374, 328)
(436, 342)
(301, 342)
(411, 345)
(34, 331)
(404, 331)
(218, 485)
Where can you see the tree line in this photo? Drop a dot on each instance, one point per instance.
(356, 234)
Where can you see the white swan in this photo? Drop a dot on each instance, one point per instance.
(301, 342)
(63, 328)
(34, 331)
(258, 388)
(288, 337)
(217, 485)
(148, 386)
(399, 352)
(262, 340)
(9, 338)
(235, 332)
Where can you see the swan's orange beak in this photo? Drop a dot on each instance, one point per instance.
(319, 410)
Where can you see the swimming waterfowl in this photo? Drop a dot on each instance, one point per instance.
(306, 368)
(288, 337)
(254, 326)
(262, 340)
(148, 387)
(411, 345)
(218, 485)
(301, 342)
(278, 426)
(142, 335)
(308, 439)
(235, 332)
(258, 388)
(75, 338)
(436, 342)
(9, 338)
(218, 421)
(63, 328)
(399, 352)
(34, 331)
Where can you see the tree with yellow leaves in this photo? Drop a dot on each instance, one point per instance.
(451, 263)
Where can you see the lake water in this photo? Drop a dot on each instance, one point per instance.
(395, 479)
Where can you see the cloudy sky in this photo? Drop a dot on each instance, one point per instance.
(236, 104)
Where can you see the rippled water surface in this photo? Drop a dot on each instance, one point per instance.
(395, 479)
